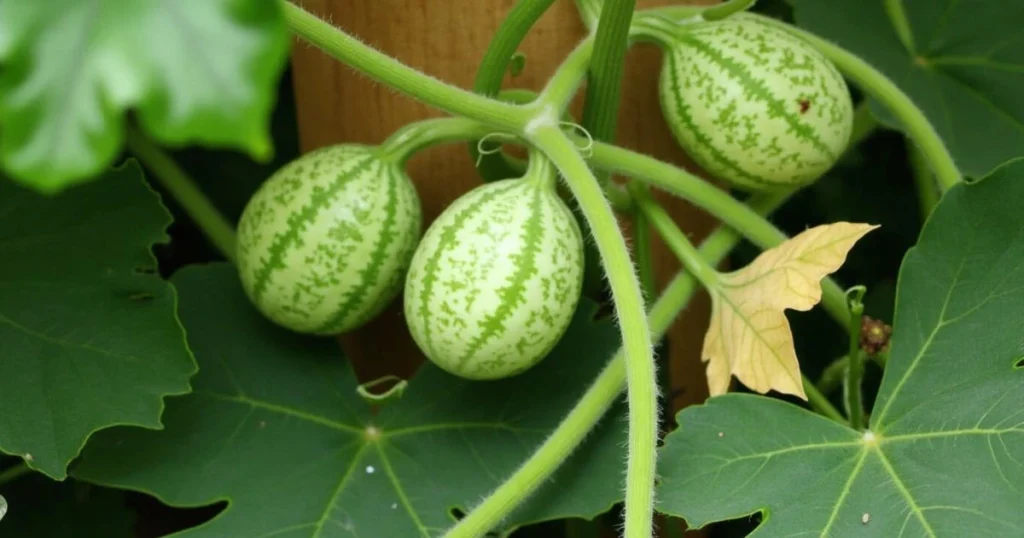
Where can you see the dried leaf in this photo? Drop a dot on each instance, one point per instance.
(749, 336)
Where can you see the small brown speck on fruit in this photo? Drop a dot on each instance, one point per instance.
(805, 105)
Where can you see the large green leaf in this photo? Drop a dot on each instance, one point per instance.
(197, 71)
(276, 428)
(42, 508)
(962, 63)
(944, 455)
(88, 337)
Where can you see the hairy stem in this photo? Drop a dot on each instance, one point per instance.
(713, 200)
(403, 78)
(598, 398)
(630, 311)
(706, 274)
(927, 190)
(413, 137)
(183, 188)
(506, 41)
(880, 87)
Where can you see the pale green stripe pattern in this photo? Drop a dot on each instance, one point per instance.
(447, 240)
(371, 274)
(683, 113)
(757, 88)
(297, 223)
(513, 295)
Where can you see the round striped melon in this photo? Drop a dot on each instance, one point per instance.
(754, 105)
(496, 279)
(324, 244)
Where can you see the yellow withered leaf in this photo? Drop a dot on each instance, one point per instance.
(749, 335)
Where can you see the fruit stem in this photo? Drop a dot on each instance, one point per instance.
(598, 398)
(217, 229)
(385, 69)
(520, 19)
(413, 137)
(876, 84)
(715, 201)
(631, 313)
(703, 270)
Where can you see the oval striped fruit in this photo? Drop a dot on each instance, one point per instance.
(754, 105)
(324, 244)
(496, 279)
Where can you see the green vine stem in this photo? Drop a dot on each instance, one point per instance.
(403, 78)
(880, 87)
(520, 19)
(217, 229)
(607, 63)
(598, 398)
(590, 11)
(644, 255)
(927, 190)
(715, 201)
(630, 311)
(13, 473)
(855, 360)
(705, 273)
(413, 137)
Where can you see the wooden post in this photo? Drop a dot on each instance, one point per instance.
(447, 39)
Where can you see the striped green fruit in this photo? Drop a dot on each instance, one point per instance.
(496, 279)
(324, 244)
(754, 105)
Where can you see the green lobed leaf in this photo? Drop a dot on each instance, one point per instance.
(88, 337)
(193, 71)
(944, 455)
(963, 65)
(41, 508)
(275, 427)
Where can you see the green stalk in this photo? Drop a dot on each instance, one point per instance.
(597, 399)
(413, 137)
(927, 190)
(855, 363)
(819, 403)
(630, 311)
(832, 377)
(492, 71)
(590, 11)
(13, 473)
(713, 200)
(880, 87)
(643, 253)
(607, 63)
(706, 274)
(217, 229)
(395, 74)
